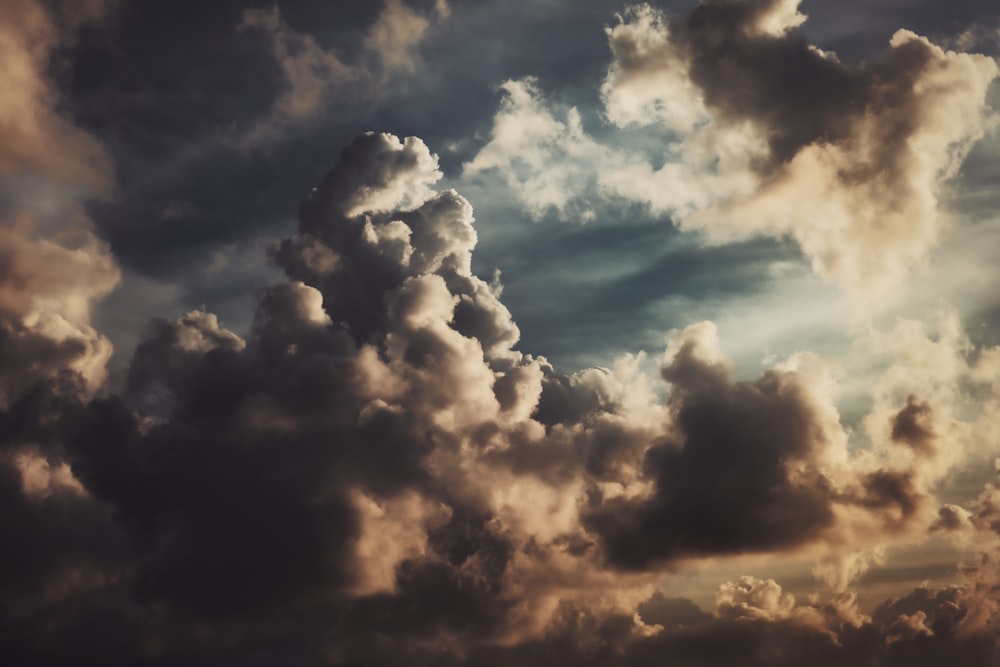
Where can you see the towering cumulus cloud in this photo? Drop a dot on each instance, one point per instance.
(374, 475)
(768, 134)
(313, 76)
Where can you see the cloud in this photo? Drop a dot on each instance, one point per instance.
(52, 271)
(37, 136)
(227, 423)
(764, 497)
(310, 72)
(374, 472)
(46, 292)
(766, 135)
(671, 613)
(545, 160)
(647, 78)
(397, 32)
(315, 76)
(52, 268)
(767, 627)
(870, 178)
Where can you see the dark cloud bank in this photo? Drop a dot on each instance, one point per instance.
(375, 476)
(223, 507)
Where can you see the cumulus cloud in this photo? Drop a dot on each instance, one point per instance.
(764, 497)
(46, 292)
(52, 271)
(310, 72)
(52, 268)
(767, 135)
(869, 180)
(546, 161)
(375, 473)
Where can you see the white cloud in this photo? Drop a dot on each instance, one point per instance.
(853, 172)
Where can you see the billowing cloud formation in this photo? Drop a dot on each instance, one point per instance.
(767, 134)
(768, 495)
(46, 290)
(375, 475)
(52, 268)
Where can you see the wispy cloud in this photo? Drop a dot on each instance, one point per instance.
(314, 77)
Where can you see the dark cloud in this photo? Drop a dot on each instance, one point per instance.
(725, 481)
(172, 87)
(796, 94)
(322, 490)
(892, 492)
(60, 543)
(912, 426)
(828, 636)
(568, 399)
(222, 484)
(671, 613)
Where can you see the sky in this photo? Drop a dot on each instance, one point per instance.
(476, 333)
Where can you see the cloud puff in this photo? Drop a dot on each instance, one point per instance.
(768, 494)
(546, 161)
(46, 291)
